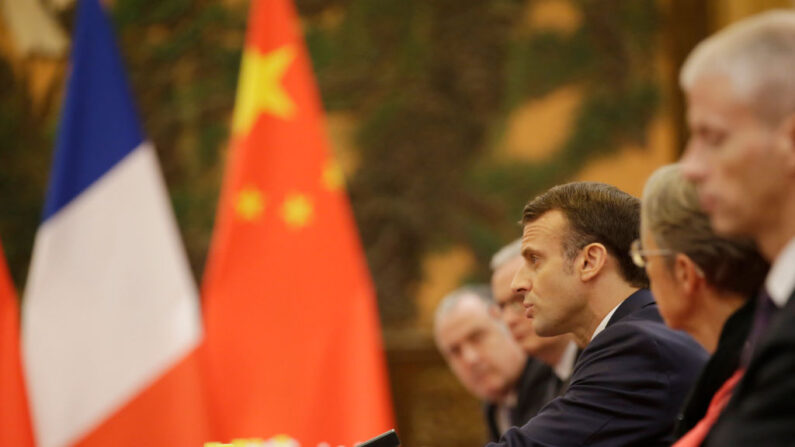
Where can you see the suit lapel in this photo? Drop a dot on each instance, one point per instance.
(782, 321)
(638, 300)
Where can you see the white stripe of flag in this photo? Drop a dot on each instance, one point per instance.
(110, 304)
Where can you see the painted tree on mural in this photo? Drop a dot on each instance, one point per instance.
(429, 86)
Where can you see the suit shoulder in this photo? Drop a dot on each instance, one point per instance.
(782, 330)
(646, 324)
(633, 337)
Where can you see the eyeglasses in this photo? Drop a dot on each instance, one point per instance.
(640, 256)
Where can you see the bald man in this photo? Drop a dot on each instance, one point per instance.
(487, 360)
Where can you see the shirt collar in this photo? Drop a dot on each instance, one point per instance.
(566, 363)
(780, 280)
(603, 324)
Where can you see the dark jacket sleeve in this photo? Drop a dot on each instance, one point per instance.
(626, 390)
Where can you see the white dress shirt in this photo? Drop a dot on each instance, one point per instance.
(565, 365)
(780, 280)
(603, 324)
(503, 412)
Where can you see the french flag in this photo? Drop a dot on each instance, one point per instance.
(110, 320)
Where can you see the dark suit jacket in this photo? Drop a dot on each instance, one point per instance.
(723, 363)
(762, 409)
(537, 385)
(627, 387)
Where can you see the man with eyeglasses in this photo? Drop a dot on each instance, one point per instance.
(577, 277)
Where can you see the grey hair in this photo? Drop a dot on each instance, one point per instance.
(450, 301)
(505, 254)
(671, 213)
(758, 56)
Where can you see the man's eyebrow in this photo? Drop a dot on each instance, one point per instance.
(527, 251)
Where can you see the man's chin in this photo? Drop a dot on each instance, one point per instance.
(542, 331)
(530, 347)
(727, 224)
(493, 395)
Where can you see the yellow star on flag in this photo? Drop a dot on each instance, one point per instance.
(249, 204)
(333, 178)
(260, 87)
(297, 210)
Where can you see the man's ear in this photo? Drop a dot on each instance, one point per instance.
(688, 275)
(593, 258)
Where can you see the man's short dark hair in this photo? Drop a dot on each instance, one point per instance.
(596, 212)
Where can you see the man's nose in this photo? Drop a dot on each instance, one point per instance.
(693, 165)
(521, 283)
(470, 354)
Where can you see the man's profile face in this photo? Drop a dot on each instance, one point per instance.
(547, 279)
(512, 311)
(481, 353)
(733, 157)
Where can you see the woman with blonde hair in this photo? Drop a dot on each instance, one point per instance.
(702, 284)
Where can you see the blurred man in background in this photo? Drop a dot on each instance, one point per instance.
(489, 363)
(558, 352)
(740, 88)
(577, 277)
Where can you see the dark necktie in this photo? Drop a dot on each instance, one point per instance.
(765, 310)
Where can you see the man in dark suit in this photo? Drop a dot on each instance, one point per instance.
(634, 372)
(487, 360)
(741, 156)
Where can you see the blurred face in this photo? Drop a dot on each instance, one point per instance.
(734, 158)
(671, 301)
(481, 353)
(512, 311)
(546, 279)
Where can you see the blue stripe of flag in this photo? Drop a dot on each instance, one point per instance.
(99, 125)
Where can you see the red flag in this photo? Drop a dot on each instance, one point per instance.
(15, 428)
(292, 336)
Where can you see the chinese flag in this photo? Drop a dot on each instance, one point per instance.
(292, 336)
(15, 427)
